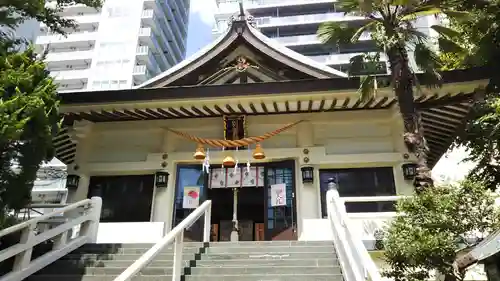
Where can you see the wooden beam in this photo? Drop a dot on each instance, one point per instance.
(264, 107)
(209, 111)
(241, 108)
(219, 110)
(230, 109)
(254, 110)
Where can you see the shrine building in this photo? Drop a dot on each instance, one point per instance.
(259, 130)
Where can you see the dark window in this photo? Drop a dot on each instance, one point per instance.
(360, 182)
(124, 198)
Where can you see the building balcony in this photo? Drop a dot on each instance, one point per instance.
(147, 37)
(141, 73)
(252, 4)
(161, 26)
(69, 57)
(73, 39)
(304, 19)
(144, 54)
(310, 39)
(75, 9)
(337, 59)
(71, 76)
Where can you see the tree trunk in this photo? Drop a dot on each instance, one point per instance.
(402, 79)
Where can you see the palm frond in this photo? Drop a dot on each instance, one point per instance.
(458, 15)
(418, 13)
(415, 36)
(356, 64)
(428, 61)
(367, 87)
(445, 31)
(367, 27)
(335, 33)
(449, 46)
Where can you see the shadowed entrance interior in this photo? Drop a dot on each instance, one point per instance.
(250, 212)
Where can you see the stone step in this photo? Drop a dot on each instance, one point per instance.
(216, 244)
(244, 249)
(260, 277)
(204, 263)
(130, 250)
(270, 249)
(267, 256)
(208, 256)
(149, 271)
(263, 270)
(126, 257)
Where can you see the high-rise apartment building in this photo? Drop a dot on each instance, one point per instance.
(294, 24)
(121, 45)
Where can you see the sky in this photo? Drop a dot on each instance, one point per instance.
(201, 20)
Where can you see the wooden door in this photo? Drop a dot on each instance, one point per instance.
(281, 220)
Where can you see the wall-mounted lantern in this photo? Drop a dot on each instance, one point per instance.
(307, 174)
(409, 171)
(72, 181)
(161, 179)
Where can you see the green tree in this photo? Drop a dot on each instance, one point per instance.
(482, 136)
(29, 116)
(434, 226)
(391, 25)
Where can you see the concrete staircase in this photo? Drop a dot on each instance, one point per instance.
(222, 261)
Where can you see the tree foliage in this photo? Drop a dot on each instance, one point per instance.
(29, 116)
(391, 24)
(480, 39)
(434, 226)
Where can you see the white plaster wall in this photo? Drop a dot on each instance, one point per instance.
(334, 140)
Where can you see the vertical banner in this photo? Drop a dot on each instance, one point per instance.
(191, 198)
(278, 195)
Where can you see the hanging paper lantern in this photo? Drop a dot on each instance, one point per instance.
(200, 153)
(228, 162)
(258, 153)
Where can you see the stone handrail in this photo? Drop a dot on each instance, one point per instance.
(175, 236)
(354, 259)
(85, 214)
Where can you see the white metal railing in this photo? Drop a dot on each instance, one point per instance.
(175, 236)
(373, 198)
(354, 259)
(55, 227)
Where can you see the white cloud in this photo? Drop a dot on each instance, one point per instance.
(204, 9)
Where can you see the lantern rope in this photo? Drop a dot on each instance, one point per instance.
(234, 143)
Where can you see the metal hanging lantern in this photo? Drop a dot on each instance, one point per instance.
(200, 152)
(229, 161)
(258, 153)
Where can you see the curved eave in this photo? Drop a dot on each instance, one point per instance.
(254, 38)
